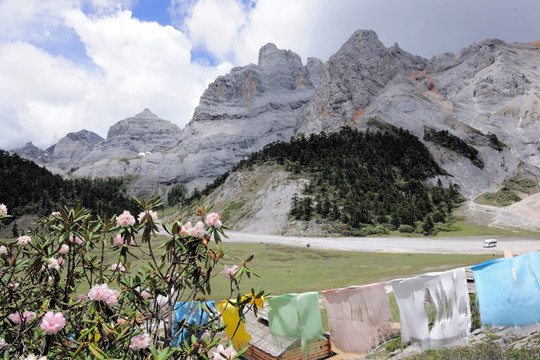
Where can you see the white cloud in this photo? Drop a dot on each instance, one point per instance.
(231, 29)
(140, 64)
(133, 64)
(38, 93)
(215, 25)
(145, 64)
(31, 19)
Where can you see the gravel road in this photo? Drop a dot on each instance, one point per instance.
(443, 245)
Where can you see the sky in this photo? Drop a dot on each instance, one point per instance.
(68, 65)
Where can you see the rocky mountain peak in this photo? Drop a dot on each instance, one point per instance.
(143, 133)
(146, 114)
(362, 42)
(270, 55)
(28, 151)
(89, 137)
(353, 76)
(246, 109)
(145, 122)
(72, 148)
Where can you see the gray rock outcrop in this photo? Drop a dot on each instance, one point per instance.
(141, 134)
(352, 77)
(72, 149)
(488, 88)
(242, 111)
(238, 114)
(28, 151)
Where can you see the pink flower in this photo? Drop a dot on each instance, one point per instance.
(103, 293)
(152, 214)
(53, 322)
(3, 209)
(50, 279)
(82, 297)
(112, 299)
(198, 230)
(13, 286)
(118, 266)
(230, 272)
(186, 229)
(26, 317)
(24, 240)
(213, 219)
(140, 342)
(121, 321)
(15, 317)
(55, 214)
(145, 294)
(76, 239)
(54, 264)
(3, 250)
(64, 249)
(61, 261)
(224, 353)
(2, 341)
(119, 240)
(33, 357)
(125, 219)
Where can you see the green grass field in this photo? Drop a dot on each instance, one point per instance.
(463, 228)
(285, 269)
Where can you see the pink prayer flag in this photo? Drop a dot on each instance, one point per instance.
(358, 317)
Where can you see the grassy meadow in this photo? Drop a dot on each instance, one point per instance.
(285, 269)
(461, 227)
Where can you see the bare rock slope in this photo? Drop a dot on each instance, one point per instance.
(238, 114)
(490, 88)
(487, 95)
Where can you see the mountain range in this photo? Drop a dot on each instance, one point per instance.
(487, 95)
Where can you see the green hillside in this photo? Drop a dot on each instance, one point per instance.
(26, 188)
(362, 182)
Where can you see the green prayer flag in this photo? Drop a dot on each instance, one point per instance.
(295, 316)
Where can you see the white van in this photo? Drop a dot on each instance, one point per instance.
(490, 243)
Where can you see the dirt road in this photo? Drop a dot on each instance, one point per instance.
(447, 245)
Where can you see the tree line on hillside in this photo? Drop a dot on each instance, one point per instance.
(27, 188)
(452, 142)
(369, 181)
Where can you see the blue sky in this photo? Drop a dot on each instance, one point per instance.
(66, 65)
(152, 10)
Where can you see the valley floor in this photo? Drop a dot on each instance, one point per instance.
(423, 245)
(524, 214)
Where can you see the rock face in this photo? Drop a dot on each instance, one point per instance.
(141, 134)
(28, 151)
(352, 77)
(238, 114)
(241, 112)
(489, 89)
(72, 148)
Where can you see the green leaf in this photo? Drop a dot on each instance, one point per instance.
(154, 351)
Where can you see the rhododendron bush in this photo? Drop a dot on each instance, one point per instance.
(61, 300)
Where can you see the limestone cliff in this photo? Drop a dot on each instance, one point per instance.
(238, 114)
(488, 88)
